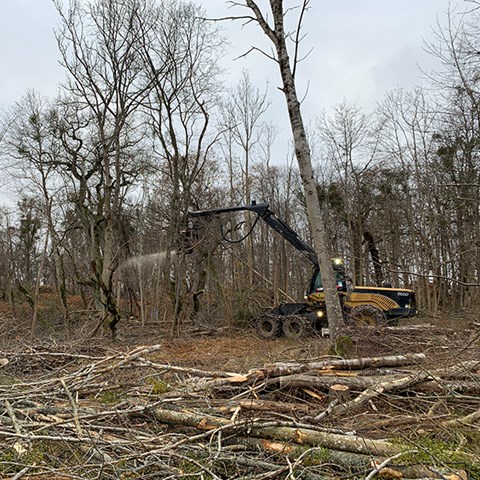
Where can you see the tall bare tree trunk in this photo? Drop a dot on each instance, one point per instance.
(278, 36)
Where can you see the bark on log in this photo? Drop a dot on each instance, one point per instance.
(334, 441)
(268, 406)
(374, 391)
(255, 463)
(217, 383)
(436, 386)
(422, 471)
(281, 369)
(355, 383)
(195, 372)
(399, 384)
(355, 461)
(467, 420)
(361, 383)
(459, 370)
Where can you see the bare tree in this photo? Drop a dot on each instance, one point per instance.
(457, 138)
(407, 148)
(241, 118)
(351, 147)
(272, 24)
(180, 62)
(34, 152)
(99, 43)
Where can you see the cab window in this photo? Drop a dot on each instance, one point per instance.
(339, 278)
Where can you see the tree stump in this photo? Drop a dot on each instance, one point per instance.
(339, 392)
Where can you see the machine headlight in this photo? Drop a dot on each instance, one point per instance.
(320, 313)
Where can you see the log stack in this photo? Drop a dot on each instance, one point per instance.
(129, 416)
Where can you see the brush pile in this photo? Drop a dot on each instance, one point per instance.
(80, 415)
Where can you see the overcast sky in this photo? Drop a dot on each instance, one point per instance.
(361, 49)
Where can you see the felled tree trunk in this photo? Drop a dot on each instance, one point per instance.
(335, 441)
(281, 369)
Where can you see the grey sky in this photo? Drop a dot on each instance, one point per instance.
(361, 49)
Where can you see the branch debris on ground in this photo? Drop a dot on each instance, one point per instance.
(412, 410)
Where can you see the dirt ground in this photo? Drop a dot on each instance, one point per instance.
(444, 339)
(119, 393)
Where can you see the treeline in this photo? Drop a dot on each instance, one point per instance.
(143, 131)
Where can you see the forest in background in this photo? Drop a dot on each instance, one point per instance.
(143, 131)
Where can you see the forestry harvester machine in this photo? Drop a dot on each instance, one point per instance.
(363, 305)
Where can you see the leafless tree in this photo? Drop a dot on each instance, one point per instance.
(272, 23)
(241, 112)
(33, 151)
(349, 144)
(457, 138)
(181, 64)
(99, 44)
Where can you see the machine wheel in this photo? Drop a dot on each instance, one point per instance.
(267, 326)
(367, 315)
(295, 326)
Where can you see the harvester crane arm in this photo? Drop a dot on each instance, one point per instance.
(269, 217)
(365, 305)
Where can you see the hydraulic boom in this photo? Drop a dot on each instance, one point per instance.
(362, 305)
(267, 215)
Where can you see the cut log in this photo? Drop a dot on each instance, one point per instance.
(218, 383)
(459, 370)
(374, 391)
(195, 372)
(361, 383)
(463, 421)
(281, 369)
(397, 384)
(440, 386)
(326, 382)
(334, 441)
(268, 406)
(338, 392)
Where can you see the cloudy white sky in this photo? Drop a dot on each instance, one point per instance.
(361, 49)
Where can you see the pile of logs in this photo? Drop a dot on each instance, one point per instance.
(127, 416)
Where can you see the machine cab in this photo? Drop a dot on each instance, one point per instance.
(316, 284)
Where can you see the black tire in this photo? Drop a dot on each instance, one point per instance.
(267, 326)
(367, 315)
(297, 326)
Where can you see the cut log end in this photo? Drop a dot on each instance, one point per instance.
(339, 392)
